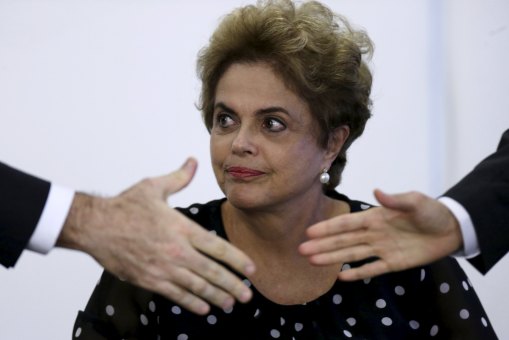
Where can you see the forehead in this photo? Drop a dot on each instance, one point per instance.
(252, 85)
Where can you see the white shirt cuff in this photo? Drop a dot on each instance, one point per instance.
(470, 242)
(52, 219)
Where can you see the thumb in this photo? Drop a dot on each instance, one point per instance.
(179, 179)
(396, 201)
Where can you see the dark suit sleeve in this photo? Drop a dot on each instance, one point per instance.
(22, 199)
(485, 195)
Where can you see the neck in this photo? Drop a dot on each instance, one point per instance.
(280, 229)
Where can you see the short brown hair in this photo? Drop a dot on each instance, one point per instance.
(317, 54)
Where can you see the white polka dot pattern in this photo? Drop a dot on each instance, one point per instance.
(464, 314)
(110, 310)
(143, 319)
(399, 290)
(364, 309)
(211, 319)
(380, 303)
(414, 324)
(434, 330)
(444, 288)
(386, 321)
(275, 333)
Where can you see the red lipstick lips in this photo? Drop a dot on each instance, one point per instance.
(241, 172)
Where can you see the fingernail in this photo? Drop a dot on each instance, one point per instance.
(203, 309)
(186, 163)
(245, 296)
(228, 303)
(250, 269)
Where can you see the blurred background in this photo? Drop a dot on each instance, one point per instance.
(98, 94)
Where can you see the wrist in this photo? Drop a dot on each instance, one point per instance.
(454, 232)
(83, 216)
(469, 246)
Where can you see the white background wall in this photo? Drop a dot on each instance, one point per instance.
(98, 94)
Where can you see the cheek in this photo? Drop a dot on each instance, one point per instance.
(218, 150)
(216, 159)
(304, 157)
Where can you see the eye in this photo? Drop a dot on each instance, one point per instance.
(273, 124)
(224, 120)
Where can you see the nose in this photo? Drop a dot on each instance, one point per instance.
(244, 143)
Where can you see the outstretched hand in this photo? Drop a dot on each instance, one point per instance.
(139, 238)
(408, 230)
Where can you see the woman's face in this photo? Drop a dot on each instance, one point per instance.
(263, 141)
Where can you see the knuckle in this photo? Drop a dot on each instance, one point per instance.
(328, 227)
(221, 250)
(199, 287)
(177, 252)
(337, 242)
(185, 299)
(149, 183)
(215, 273)
(175, 293)
(146, 181)
(417, 197)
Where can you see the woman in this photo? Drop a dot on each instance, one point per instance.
(285, 92)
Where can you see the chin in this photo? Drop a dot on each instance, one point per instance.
(246, 199)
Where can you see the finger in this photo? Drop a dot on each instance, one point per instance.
(402, 202)
(177, 180)
(180, 296)
(199, 286)
(221, 279)
(221, 250)
(338, 224)
(366, 271)
(333, 242)
(352, 254)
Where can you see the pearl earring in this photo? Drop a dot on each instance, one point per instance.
(324, 177)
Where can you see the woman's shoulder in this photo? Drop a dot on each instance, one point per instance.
(208, 215)
(355, 205)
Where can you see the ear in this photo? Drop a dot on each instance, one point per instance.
(336, 141)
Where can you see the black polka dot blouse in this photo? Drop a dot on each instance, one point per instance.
(430, 302)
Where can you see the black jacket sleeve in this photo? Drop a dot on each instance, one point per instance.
(22, 200)
(484, 193)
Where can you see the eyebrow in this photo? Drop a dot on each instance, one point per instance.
(270, 109)
(224, 107)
